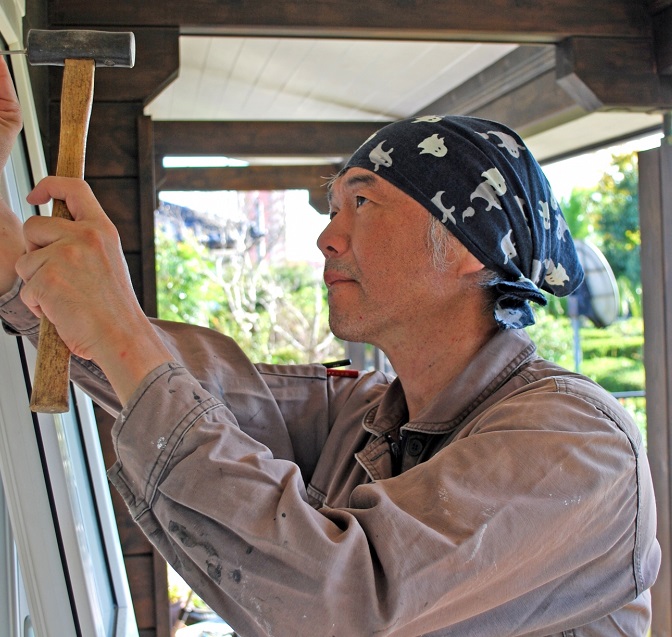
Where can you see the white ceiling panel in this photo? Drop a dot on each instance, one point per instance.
(597, 128)
(259, 78)
(232, 78)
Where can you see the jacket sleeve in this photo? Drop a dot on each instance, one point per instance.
(18, 320)
(515, 529)
(286, 408)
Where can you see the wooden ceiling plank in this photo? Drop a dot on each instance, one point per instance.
(260, 138)
(317, 197)
(475, 20)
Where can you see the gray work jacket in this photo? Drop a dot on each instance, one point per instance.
(518, 503)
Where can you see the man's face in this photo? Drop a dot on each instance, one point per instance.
(383, 287)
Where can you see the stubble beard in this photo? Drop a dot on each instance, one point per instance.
(344, 326)
(340, 329)
(354, 323)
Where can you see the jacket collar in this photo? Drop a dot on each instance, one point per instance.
(492, 366)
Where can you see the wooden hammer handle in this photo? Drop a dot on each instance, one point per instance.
(51, 385)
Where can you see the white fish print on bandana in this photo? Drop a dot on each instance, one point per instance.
(490, 189)
(507, 142)
(380, 157)
(432, 119)
(545, 214)
(556, 275)
(508, 247)
(433, 145)
(447, 212)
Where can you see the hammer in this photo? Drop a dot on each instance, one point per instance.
(79, 52)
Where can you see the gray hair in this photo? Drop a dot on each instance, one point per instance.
(442, 245)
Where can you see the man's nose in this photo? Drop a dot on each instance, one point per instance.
(333, 241)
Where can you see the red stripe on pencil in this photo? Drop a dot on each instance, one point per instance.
(349, 373)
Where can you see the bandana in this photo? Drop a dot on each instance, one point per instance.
(480, 180)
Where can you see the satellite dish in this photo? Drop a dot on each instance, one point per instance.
(597, 296)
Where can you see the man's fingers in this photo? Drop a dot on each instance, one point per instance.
(7, 90)
(39, 232)
(26, 298)
(26, 267)
(76, 193)
(28, 264)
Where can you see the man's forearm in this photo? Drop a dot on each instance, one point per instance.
(11, 246)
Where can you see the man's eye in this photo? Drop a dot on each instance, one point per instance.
(359, 201)
(332, 214)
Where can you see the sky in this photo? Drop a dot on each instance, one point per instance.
(586, 170)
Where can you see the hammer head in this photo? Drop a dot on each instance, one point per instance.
(106, 48)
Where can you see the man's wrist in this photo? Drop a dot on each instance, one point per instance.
(129, 355)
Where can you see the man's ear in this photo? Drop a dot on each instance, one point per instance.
(469, 264)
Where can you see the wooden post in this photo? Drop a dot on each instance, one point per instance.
(655, 204)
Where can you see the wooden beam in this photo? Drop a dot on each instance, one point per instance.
(119, 199)
(317, 198)
(147, 204)
(247, 178)
(609, 74)
(656, 6)
(112, 148)
(662, 32)
(519, 90)
(524, 64)
(534, 107)
(475, 20)
(260, 139)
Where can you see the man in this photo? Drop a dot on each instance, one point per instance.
(483, 491)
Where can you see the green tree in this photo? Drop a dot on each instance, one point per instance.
(608, 216)
(185, 292)
(277, 314)
(576, 212)
(615, 214)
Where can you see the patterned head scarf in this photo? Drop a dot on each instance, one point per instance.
(480, 180)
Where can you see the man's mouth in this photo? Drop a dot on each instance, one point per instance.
(333, 277)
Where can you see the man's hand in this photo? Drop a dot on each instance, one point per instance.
(10, 113)
(75, 274)
(11, 235)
